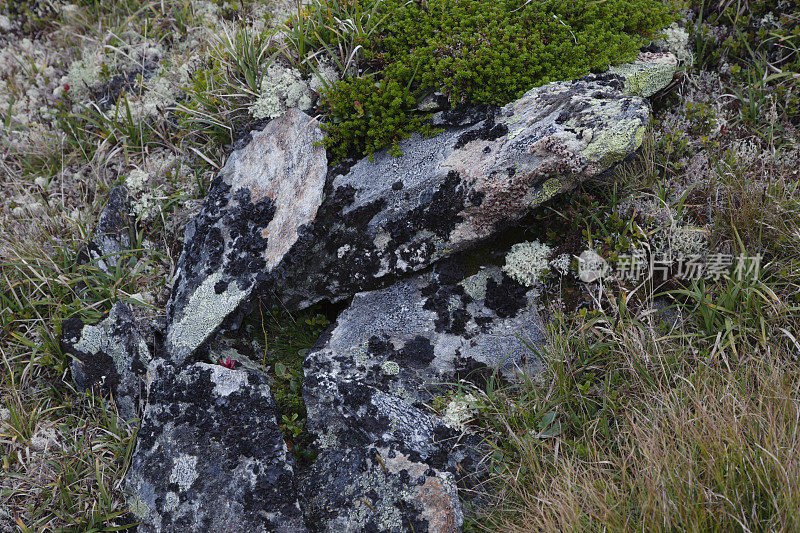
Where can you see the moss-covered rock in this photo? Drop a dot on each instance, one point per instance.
(470, 51)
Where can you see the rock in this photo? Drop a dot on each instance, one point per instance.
(392, 216)
(111, 356)
(255, 211)
(112, 234)
(210, 455)
(386, 462)
(651, 72)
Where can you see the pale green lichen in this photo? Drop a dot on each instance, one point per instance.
(460, 410)
(687, 241)
(676, 40)
(549, 189)
(613, 145)
(391, 368)
(475, 285)
(92, 340)
(204, 313)
(645, 78)
(138, 508)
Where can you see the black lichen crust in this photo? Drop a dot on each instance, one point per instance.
(97, 370)
(227, 236)
(506, 298)
(488, 131)
(337, 256)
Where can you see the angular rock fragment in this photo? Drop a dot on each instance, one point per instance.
(391, 216)
(255, 211)
(651, 72)
(210, 455)
(386, 462)
(112, 234)
(111, 356)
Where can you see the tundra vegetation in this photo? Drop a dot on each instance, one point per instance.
(667, 406)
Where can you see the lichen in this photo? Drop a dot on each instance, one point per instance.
(527, 261)
(227, 381)
(281, 88)
(459, 410)
(204, 312)
(138, 508)
(613, 144)
(92, 340)
(646, 76)
(184, 471)
(549, 189)
(391, 368)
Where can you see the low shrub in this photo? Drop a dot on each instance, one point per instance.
(471, 51)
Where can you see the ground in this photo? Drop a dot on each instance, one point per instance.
(665, 406)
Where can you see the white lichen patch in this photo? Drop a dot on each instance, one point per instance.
(281, 89)
(92, 339)
(686, 241)
(527, 262)
(391, 368)
(561, 264)
(460, 410)
(284, 87)
(676, 41)
(184, 471)
(227, 381)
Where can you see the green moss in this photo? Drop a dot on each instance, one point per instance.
(472, 51)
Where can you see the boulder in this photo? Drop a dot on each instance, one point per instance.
(110, 356)
(254, 213)
(388, 217)
(385, 461)
(266, 227)
(210, 455)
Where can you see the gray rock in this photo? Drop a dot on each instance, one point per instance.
(109, 356)
(651, 72)
(210, 455)
(386, 218)
(112, 234)
(254, 213)
(386, 461)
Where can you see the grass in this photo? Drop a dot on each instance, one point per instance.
(679, 419)
(285, 339)
(685, 419)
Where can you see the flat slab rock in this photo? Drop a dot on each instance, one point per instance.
(254, 213)
(386, 462)
(391, 216)
(110, 356)
(210, 455)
